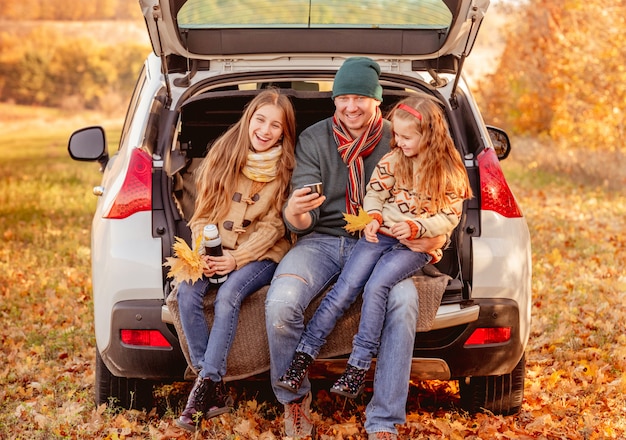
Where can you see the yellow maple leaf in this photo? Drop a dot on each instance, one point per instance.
(356, 223)
(186, 264)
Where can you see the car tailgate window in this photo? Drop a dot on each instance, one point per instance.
(387, 14)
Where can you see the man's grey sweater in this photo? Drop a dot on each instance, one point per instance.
(317, 160)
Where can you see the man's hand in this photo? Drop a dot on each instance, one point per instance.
(299, 204)
(425, 244)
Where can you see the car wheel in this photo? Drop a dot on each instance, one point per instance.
(121, 391)
(497, 394)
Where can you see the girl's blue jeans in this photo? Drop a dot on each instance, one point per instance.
(209, 350)
(373, 268)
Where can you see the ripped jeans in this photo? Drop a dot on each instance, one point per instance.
(313, 263)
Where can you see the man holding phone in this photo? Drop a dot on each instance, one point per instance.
(342, 152)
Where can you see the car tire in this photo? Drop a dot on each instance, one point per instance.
(501, 395)
(121, 392)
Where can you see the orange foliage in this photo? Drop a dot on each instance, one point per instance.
(59, 10)
(576, 356)
(186, 264)
(562, 73)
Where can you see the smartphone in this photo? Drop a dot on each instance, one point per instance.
(315, 187)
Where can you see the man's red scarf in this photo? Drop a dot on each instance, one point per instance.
(352, 152)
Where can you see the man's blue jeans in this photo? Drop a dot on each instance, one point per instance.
(209, 352)
(306, 271)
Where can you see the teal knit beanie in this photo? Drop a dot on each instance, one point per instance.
(358, 76)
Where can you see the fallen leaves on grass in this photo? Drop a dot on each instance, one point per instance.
(576, 357)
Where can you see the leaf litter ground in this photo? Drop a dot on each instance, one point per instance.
(576, 358)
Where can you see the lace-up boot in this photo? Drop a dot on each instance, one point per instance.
(293, 377)
(222, 401)
(297, 419)
(350, 383)
(207, 399)
(382, 436)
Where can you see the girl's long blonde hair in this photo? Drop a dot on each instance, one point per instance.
(217, 176)
(437, 168)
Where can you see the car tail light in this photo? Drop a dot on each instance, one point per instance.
(495, 194)
(144, 338)
(483, 336)
(136, 192)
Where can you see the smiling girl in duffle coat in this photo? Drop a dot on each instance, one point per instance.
(241, 187)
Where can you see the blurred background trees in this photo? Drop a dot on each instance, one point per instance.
(562, 74)
(62, 10)
(69, 72)
(82, 55)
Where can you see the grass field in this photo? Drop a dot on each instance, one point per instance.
(576, 376)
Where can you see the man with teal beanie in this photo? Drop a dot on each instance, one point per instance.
(341, 152)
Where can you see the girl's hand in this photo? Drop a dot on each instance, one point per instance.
(370, 231)
(219, 265)
(205, 269)
(401, 230)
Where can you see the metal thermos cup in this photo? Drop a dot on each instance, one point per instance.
(212, 243)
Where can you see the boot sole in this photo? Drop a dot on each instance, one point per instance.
(187, 426)
(287, 387)
(209, 415)
(220, 410)
(347, 394)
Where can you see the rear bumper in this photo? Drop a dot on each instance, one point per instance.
(442, 354)
(137, 361)
(439, 354)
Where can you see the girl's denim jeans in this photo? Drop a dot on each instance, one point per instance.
(209, 350)
(373, 268)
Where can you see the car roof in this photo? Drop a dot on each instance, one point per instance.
(419, 30)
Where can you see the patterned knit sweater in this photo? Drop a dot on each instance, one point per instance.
(390, 204)
(253, 230)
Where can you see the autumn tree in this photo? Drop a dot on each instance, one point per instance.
(60, 10)
(563, 73)
(52, 70)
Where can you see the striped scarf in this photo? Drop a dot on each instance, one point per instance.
(261, 167)
(352, 152)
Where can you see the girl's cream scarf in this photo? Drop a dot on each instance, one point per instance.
(262, 167)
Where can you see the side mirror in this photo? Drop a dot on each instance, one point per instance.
(89, 145)
(500, 141)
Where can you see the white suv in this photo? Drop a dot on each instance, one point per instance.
(209, 59)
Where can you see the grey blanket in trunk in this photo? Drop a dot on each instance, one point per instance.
(249, 354)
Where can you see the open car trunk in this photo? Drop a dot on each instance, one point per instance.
(202, 120)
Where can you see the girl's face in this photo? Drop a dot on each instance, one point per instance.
(266, 127)
(407, 137)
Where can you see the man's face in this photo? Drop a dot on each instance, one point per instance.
(356, 112)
